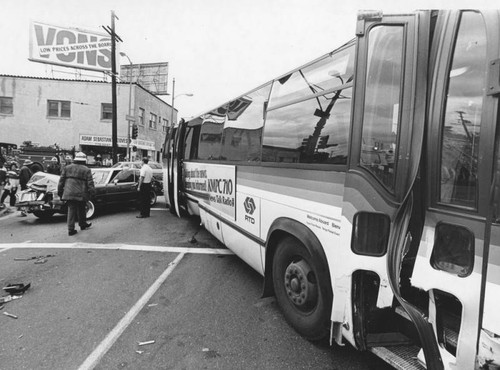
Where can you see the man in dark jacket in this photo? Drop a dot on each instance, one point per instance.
(25, 174)
(76, 185)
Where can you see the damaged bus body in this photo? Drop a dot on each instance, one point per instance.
(365, 187)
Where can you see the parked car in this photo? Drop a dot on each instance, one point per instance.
(155, 166)
(113, 186)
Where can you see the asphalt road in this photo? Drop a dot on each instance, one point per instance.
(138, 294)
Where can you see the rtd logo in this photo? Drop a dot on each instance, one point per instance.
(249, 205)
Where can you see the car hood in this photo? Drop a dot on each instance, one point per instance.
(46, 182)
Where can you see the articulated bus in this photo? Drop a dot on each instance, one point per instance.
(364, 187)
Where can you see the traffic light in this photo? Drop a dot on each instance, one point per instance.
(135, 131)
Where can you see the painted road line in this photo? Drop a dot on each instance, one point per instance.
(126, 247)
(114, 334)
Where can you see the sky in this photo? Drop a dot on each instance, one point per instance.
(216, 49)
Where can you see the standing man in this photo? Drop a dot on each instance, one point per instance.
(144, 188)
(76, 185)
(25, 174)
(24, 177)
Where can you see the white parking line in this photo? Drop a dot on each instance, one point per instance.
(114, 334)
(127, 247)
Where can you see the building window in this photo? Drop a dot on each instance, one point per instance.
(6, 106)
(165, 125)
(106, 111)
(141, 116)
(58, 108)
(152, 121)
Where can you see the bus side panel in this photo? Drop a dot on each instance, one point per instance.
(312, 198)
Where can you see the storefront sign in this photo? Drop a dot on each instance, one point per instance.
(70, 47)
(214, 184)
(104, 140)
(101, 140)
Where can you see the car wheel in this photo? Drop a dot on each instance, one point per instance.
(152, 198)
(298, 289)
(89, 209)
(43, 214)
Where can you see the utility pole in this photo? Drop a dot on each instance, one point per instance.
(114, 125)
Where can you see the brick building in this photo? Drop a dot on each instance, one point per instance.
(78, 113)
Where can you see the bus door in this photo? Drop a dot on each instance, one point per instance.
(455, 265)
(175, 170)
(167, 167)
(385, 148)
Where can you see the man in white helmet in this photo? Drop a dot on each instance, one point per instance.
(76, 186)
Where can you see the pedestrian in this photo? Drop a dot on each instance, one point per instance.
(25, 174)
(11, 185)
(24, 177)
(144, 188)
(54, 167)
(3, 180)
(76, 186)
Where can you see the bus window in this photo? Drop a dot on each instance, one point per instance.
(325, 74)
(312, 131)
(242, 137)
(192, 136)
(209, 146)
(382, 97)
(462, 120)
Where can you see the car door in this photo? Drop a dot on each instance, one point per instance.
(123, 188)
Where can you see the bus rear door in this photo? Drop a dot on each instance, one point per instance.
(386, 140)
(455, 264)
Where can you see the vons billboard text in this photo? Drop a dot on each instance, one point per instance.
(70, 47)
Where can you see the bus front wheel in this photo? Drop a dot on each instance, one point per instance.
(298, 289)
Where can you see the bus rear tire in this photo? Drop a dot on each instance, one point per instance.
(298, 290)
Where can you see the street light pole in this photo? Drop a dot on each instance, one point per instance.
(130, 113)
(173, 99)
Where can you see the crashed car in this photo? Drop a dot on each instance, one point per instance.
(112, 185)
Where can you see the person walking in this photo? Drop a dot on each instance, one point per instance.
(76, 186)
(144, 188)
(3, 180)
(11, 185)
(24, 177)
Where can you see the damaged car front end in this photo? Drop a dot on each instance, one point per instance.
(41, 197)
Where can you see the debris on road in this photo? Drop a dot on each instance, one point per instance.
(9, 298)
(16, 288)
(146, 343)
(37, 258)
(10, 315)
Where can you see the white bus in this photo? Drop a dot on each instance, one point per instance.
(365, 187)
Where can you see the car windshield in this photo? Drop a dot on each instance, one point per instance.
(100, 177)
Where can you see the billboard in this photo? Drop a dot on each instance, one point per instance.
(70, 47)
(152, 76)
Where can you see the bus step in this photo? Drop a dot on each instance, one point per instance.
(400, 357)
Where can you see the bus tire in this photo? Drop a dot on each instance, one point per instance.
(298, 292)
